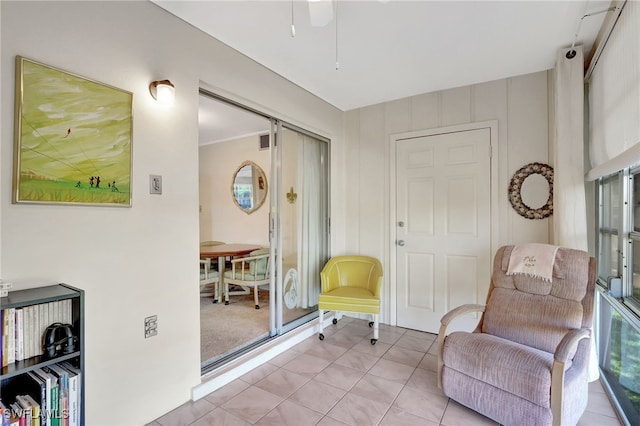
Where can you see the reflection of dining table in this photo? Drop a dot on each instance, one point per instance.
(222, 251)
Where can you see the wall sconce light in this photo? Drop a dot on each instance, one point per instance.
(163, 91)
(291, 196)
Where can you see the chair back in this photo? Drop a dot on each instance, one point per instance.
(352, 271)
(259, 266)
(207, 274)
(535, 312)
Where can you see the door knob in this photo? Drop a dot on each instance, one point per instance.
(401, 243)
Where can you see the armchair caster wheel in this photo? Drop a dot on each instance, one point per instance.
(335, 321)
(215, 300)
(371, 324)
(226, 303)
(321, 336)
(373, 341)
(257, 306)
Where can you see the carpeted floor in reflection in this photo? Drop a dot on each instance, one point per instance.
(225, 329)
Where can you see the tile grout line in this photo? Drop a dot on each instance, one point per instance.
(363, 339)
(355, 351)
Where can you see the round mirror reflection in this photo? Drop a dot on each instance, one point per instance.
(535, 191)
(249, 187)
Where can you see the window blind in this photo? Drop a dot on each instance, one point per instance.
(614, 98)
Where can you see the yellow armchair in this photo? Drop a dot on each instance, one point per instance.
(351, 284)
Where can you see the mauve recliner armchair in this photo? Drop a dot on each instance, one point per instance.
(526, 362)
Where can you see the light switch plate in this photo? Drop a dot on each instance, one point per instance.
(150, 326)
(155, 184)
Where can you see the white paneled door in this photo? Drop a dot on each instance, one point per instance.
(443, 226)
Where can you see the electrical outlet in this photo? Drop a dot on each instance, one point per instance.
(150, 326)
(155, 184)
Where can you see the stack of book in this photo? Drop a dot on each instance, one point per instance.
(23, 328)
(51, 396)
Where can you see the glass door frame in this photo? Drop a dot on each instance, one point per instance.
(276, 196)
(277, 200)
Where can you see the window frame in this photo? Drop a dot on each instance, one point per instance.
(618, 215)
(607, 230)
(631, 236)
(623, 230)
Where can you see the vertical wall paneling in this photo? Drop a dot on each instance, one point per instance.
(490, 103)
(348, 188)
(370, 190)
(518, 105)
(425, 111)
(528, 142)
(398, 117)
(456, 106)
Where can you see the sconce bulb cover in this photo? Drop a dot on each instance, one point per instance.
(163, 91)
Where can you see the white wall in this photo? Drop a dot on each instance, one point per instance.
(519, 105)
(138, 261)
(220, 217)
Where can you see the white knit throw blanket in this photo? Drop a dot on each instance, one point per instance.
(535, 260)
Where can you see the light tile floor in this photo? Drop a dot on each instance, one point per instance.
(344, 380)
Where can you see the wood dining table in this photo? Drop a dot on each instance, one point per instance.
(221, 252)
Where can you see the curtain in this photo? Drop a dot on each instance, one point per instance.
(310, 214)
(569, 205)
(614, 98)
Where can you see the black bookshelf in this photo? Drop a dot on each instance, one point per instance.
(13, 376)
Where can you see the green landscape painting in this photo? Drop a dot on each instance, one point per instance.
(73, 138)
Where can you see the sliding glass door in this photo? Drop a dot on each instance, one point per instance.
(301, 200)
(293, 224)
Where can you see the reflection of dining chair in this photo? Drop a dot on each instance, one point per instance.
(247, 272)
(351, 284)
(208, 276)
(526, 361)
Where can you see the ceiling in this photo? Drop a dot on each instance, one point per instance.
(391, 49)
(219, 122)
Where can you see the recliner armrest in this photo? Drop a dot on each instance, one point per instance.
(569, 343)
(567, 346)
(460, 310)
(445, 321)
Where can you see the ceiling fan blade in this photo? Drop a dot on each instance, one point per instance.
(320, 12)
